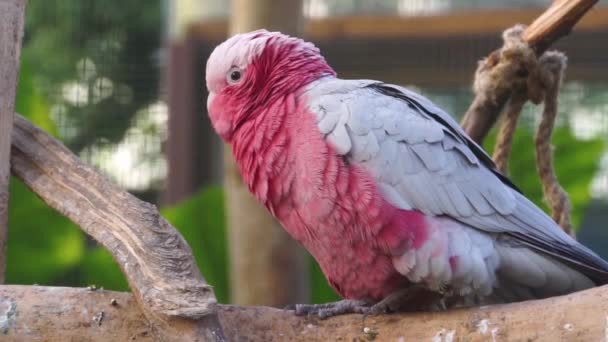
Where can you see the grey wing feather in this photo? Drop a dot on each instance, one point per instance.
(425, 161)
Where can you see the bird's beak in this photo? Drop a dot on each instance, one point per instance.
(210, 100)
(218, 118)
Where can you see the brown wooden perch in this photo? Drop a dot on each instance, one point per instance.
(35, 313)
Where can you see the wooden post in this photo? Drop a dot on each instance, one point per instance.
(267, 265)
(12, 14)
(183, 146)
(193, 150)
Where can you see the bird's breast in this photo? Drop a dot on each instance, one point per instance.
(336, 211)
(333, 208)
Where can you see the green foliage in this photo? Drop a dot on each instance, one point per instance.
(576, 162)
(46, 248)
(43, 245)
(107, 47)
(30, 102)
(320, 291)
(99, 268)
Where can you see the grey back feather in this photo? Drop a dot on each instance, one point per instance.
(423, 160)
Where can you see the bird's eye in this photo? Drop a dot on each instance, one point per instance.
(234, 75)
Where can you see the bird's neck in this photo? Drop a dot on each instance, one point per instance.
(260, 149)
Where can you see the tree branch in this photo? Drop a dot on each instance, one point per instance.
(155, 258)
(12, 13)
(30, 313)
(556, 22)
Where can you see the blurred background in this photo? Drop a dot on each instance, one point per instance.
(121, 83)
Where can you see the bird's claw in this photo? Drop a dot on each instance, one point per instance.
(342, 307)
(327, 310)
(400, 300)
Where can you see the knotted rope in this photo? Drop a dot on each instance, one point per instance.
(516, 67)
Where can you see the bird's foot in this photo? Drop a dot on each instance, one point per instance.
(327, 310)
(392, 303)
(415, 298)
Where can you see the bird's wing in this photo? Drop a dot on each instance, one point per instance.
(423, 160)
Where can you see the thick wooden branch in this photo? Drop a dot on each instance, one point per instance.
(155, 258)
(556, 22)
(34, 313)
(12, 13)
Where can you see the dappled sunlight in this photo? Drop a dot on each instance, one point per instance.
(137, 162)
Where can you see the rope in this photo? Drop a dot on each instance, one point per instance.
(504, 141)
(553, 65)
(516, 67)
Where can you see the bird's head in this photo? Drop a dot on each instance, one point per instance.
(249, 71)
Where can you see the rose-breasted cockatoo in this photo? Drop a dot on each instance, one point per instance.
(381, 186)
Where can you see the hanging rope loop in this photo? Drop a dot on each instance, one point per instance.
(516, 67)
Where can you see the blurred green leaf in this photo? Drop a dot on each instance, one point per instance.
(81, 42)
(99, 268)
(320, 290)
(43, 245)
(576, 163)
(30, 102)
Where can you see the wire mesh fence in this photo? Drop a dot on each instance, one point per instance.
(98, 65)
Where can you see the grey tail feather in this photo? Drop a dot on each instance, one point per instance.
(579, 258)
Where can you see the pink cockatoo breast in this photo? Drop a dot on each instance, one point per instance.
(333, 209)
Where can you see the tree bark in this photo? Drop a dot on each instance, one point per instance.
(33, 313)
(267, 266)
(12, 13)
(155, 258)
(556, 22)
